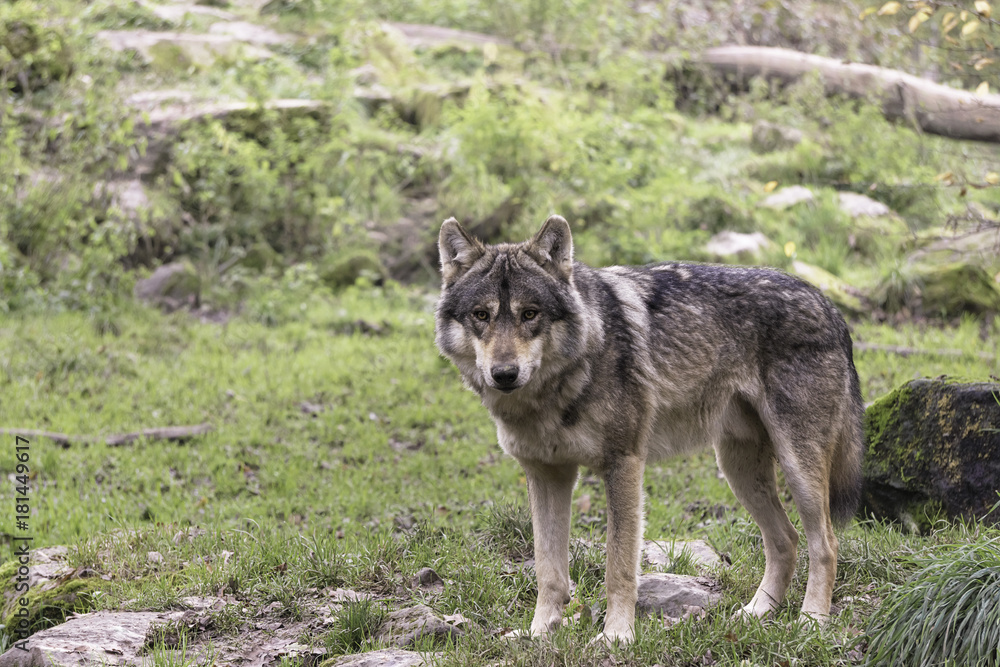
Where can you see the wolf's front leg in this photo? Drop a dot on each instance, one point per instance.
(623, 481)
(550, 491)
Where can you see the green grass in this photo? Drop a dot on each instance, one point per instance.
(946, 613)
(391, 467)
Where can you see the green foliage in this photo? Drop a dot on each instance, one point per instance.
(946, 613)
(300, 186)
(33, 52)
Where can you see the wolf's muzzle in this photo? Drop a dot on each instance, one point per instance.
(505, 376)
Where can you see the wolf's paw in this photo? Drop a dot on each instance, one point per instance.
(760, 607)
(813, 618)
(611, 638)
(748, 613)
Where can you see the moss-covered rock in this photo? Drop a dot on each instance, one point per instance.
(933, 446)
(768, 137)
(55, 590)
(49, 606)
(848, 299)
(940, 290)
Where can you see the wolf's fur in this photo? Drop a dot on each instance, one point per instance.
(611, 368)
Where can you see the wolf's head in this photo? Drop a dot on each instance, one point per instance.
(508, 312)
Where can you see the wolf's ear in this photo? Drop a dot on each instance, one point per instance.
(552, 247)
(458, 250)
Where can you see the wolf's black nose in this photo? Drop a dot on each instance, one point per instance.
(504, 376)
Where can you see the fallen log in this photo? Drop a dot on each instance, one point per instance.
(908, 351)
(170, 433)
(934, 108)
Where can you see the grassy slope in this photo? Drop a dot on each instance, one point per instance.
(400, 469)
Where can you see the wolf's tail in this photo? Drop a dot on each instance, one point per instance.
(845, 470)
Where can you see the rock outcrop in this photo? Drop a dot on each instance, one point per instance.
(933, 446)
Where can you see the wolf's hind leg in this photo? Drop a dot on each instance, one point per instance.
(810, 489)
(550, 491)
(749, 468)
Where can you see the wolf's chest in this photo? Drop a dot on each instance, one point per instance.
(546, 439)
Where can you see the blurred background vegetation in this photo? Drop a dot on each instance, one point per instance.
(325, 141)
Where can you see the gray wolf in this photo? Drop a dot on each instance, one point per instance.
(611, 368)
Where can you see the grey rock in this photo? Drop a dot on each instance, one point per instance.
(664, 553)
(675, 596)
(173, 49)
(427, 577)
(858, 206)
(788, 197)
(99, 638)
(404, 627)
(250, 33)
(767, 137)
(171, 286)
(389, 657)
(737, 244)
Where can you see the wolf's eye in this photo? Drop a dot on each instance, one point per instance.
(481, 315)
(529, 314)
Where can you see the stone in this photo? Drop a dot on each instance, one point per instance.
(389, 657)
(427, 578)
(55, 590)
(857, 206)
(675, 596)
(847, 298)
(742, 246)
(170, 286)
(404, 627)
(940, 290)
(980, 247)
(178, 51)
(98, 638)
(933, 445)
(767, 137)
(788, 197)
(660, 553)
(251, 33)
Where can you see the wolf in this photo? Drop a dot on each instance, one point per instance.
(612, 368)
